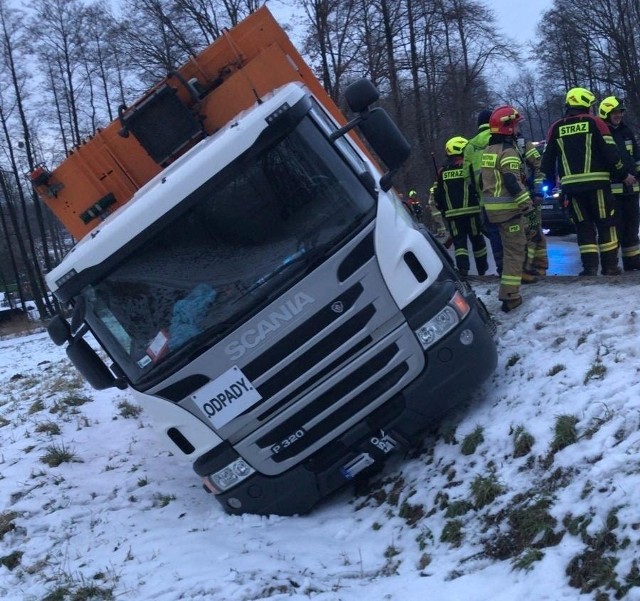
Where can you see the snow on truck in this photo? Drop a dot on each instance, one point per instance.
(255, 280)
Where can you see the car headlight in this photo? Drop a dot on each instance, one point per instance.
(230, 475)
(443, 322)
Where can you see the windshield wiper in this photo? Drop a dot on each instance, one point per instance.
(297, 257)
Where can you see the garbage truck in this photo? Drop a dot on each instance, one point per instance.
(250, 275)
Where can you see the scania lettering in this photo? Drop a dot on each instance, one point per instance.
(255, 281)
(255, 336)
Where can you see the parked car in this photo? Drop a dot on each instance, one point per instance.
(556, 216)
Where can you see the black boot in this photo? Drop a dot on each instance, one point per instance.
(511, 304)
(631, 263)
(612, 270)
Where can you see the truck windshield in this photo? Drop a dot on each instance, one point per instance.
(251, 233)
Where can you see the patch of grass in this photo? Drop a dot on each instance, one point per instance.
(376, 526)
(424, 561)
(83, 592)
(391, 551)
(594, 568)
(458, 508)
(12, 560)
(452, 533)
(6, 522)
(485, 489)
(513, 359)
(142, 482)
(522, 442)
(556, 369)
(4, 421)
(49, 427)
(530, 526)
(35, 407)
(582, 338)
(565, 432)
(411, 513)
(526, 560)
(75, 400)
(128, 410)
(471, 441)
(68, 380)
(60, 593)
(58, 454)
(596, 372)
(160, 500)
(70, 401)
(425, 536)
(591, 570)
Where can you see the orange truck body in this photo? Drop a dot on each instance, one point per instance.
(232, 74)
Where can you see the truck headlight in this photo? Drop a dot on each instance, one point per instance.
(443, 322)
(232, 474)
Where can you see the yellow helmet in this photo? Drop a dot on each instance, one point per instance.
(455, 145)
(579, 98)
(609, 104)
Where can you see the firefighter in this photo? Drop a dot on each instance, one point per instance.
(436, 222)
(581, 149)
(537, 261)
(627, 210)
(415, 206)
(507, 200)
(472, 165)
(460, 205)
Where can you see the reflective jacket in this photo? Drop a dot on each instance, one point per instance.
(455, 197)
(580, 147)
(630, 155)
(532, 161)
(473, 157)
(504, 192)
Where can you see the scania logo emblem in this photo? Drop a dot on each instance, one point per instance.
(337, 307)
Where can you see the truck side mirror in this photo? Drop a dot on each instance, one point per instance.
(385, 138)
(59, 330)
(377, 127)
(92, 368)
(360, 95)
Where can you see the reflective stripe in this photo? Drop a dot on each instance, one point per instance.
(602, 208)
(512, 163)
(462, 211)
(499, 203)
(618, 188)
(510, 280)
(522, 198)
(578, 178)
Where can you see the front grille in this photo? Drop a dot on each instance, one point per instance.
(344, 413)
(302, 363)
(324, 402)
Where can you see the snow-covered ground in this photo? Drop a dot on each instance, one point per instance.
(532, 491)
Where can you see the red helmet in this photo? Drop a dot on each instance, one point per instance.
(503, 120)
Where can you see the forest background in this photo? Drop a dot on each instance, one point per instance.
(67, 65)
